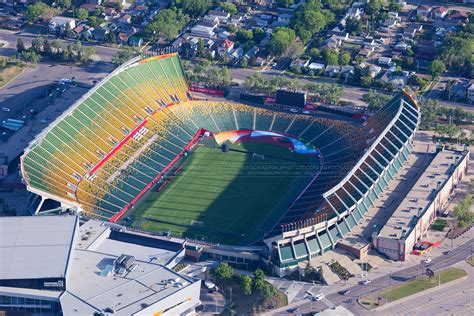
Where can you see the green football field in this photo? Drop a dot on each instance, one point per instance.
(230, 198)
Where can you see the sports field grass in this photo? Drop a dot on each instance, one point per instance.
(232, 197)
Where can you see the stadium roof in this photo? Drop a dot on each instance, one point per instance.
(35, 247)
(420, 196)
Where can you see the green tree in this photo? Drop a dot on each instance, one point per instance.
(30, 56)
(56, 44)
(228, 7)
(309, 19)
(20, 46)
(36, 11)
(259, 280)
(394, 6)
(122, 56)
(354, 26)
(110, 38)
(223, 273)
(345, 58)
(375, 100)
(428, 108)
(65, 4)
(37, 44)
(166, 23)
(3, 63)
(193, 7)
(280, 40)
(246, 284)
(82, 14)
(436, 68)
(331, 93)
(244, 35)
(285, 3)
(47, 49)
(331, 57)
(259, 34)
(315, 53)
(294, 50)
(373, 7)
(89, 52)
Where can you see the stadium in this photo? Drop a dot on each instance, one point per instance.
(140, 151)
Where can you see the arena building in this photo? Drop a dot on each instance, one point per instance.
(51, 265)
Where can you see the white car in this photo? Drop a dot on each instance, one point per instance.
(306, 112)
(319, 297)
(294, 111)
(365, 282)
(5, 109)
(427, 260)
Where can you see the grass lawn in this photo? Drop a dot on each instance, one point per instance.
(470, 260)
(439, 225)
(421, 284)
(9, 73)
(231, 197)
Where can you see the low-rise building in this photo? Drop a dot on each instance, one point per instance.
(410, 221)
(58, 23)
(55, 265)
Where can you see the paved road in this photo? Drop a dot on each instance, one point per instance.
(350, 93)
(27, 35)
(350, 301)
(455, 299)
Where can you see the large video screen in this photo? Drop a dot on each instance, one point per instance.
(294, 99)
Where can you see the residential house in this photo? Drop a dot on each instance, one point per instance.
(393, 15)
(225, 47)
(125, 19)
(315, 66)
(110, 12)
(122, 38)
(374, 70)
(333, 42)
(221, 15)
(58, 23)
(424, 11)
(366, 51)
(284, 18)
(440, 12)
(237, 53)
(347, 70)
(90, 7)
(385, 61)
(332, 70)
(236, 18)
(135, 41)
(203, 30)
(140, 10)
(459, 89)
(100, 33)
(390, 24)
(302, 63)
(458, 16)
(212, 19)
(110, 2)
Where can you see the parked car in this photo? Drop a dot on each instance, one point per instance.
(5, 109)
(365, 282)
(427, 260)
(319, 297)
(345, 292)
(294, 111)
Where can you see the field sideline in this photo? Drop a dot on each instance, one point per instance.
(231, 198)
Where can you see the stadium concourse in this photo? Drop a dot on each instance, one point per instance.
(138, 124)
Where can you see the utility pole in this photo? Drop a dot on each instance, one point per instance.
(390, 279)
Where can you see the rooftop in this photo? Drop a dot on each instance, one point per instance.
(34, 247)
(148, 282)
(420, 196)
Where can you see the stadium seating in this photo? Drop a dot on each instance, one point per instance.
(122, 135)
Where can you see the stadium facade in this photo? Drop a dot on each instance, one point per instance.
(118, 140)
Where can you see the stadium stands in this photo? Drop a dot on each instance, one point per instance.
(117, 141)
